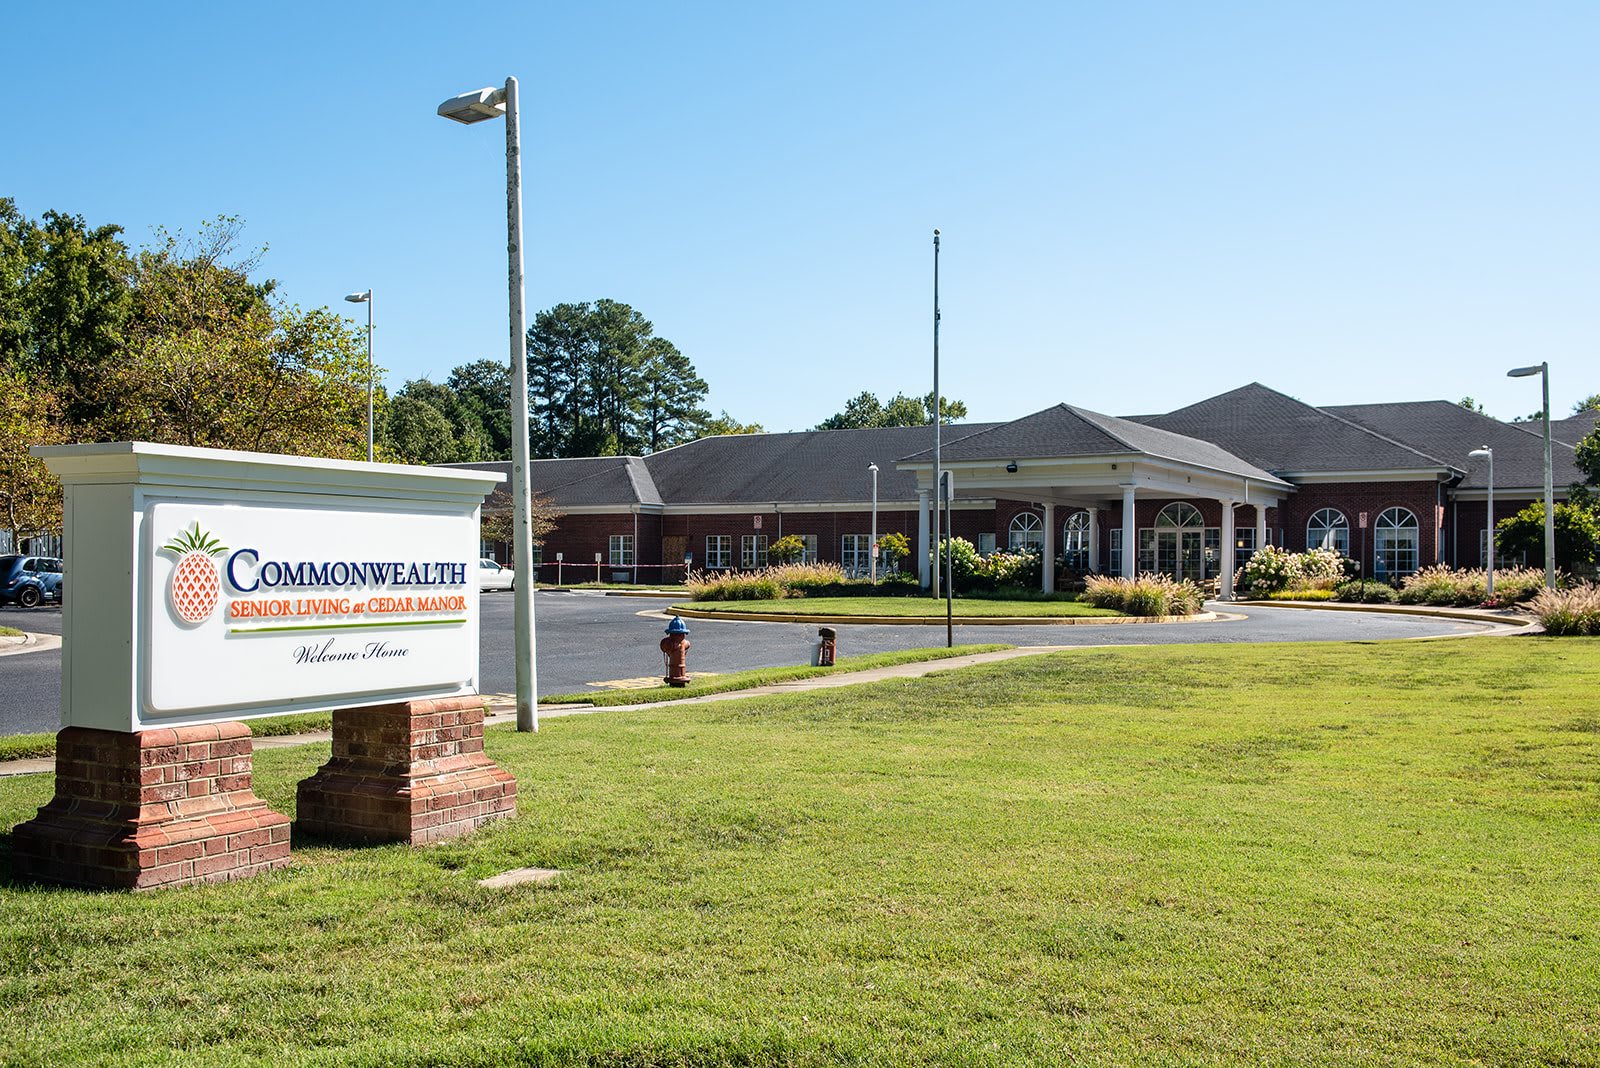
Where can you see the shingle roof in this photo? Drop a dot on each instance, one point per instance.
(1066, 430)
(811, 466)
(585, 481)
(1443, 428)
(1570, 430)
(1284, 435)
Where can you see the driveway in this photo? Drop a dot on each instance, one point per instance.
(587, 638)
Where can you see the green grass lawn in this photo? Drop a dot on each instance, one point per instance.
(1310, 854)
(10, 632)
(744, 680)
(898, 606)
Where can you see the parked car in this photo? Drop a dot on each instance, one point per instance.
(491, 576)
(30, 580)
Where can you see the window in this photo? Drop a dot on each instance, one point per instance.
(622, 550)
(753, 550)
(1075, 541)
(719, 550)
(856, 554)
(985, 544)
(1027, 533)
(1395, 544)
(1500, 559)
(810, 555)
(1329, 529)
(538, 555)
(1180, 544)
(1116, 551)
(1244, 545)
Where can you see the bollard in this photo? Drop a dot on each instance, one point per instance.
(826, 647)
(675, 652)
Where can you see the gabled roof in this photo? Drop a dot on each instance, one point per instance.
(1443, 428)
(1065, 430)
(585, 481)
(1284, 435)
(809, 466)
(1571, 430)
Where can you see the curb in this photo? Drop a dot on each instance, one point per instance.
(25, 642)
(965, 621)
(1479, 615)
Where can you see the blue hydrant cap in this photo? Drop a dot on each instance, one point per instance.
(677, 626)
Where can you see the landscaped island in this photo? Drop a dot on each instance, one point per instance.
(905, 607)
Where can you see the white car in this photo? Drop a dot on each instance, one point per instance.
(491, 576)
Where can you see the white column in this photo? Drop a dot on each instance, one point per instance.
(1094, 539)
(923, 548)
(1261, 526)
(1049, 582)
(1130, 535)
(1225, 587)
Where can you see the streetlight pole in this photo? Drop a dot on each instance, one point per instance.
(1543, 371)
(469, 108)
(1487, 452)
(937, 416)
(873, 567)
(366, 298)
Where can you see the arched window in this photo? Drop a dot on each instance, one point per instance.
(1075, 541)
(1027, 533)
(1329, 529)
(1179, 514)
(1395, 543)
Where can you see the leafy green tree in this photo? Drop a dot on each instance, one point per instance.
(1577, 534)
(724, 423)
(1471, 405)
(865, 411)
(30, 497)
(416, 432)
(788, 549)
(483, 406)
(1591, 403)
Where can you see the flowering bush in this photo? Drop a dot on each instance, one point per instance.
(1269, 570)
(1322, 564)
(1147, 595)
(1572, 611)
(1002, 568)
(964, 561)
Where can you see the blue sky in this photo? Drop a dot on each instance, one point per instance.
(1142, 204)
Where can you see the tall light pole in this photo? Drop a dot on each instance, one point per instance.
(1478, 454)
(873, 567)
(937, 415)
(366, 298)
(1543, 371)
(468, 108)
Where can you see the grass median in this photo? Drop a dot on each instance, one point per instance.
(1287, 854)
(744, 680)
(902, 607)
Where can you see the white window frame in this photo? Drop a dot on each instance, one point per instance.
(719, 552)
(752, 550)
(1390, 554)
(986, 544)
(855, 554)
(1501, 560)
(1338, 533)
(1114, 553)
(1026, 533)
(1075, 540)
(620, 550)
(809, 556)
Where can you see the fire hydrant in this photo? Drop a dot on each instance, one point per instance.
(825, 647)
(675, 652)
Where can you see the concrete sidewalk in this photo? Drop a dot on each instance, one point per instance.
(502, 710)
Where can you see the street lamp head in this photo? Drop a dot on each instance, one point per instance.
(476, 106)
(1484, 453)
(359, 298)
(1524, 372)
(873, 468)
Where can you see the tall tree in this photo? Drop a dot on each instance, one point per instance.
(865, 411)
(601, 383)
(30, 497)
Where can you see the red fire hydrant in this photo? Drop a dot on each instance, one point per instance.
(825, 647)
(675, 652)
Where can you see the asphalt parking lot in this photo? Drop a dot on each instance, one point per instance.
(589, 638)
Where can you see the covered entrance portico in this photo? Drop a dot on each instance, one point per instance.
(1068, 460)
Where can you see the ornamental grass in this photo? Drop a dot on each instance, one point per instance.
(1568, 612)
(1443, 585)
(1147, 595)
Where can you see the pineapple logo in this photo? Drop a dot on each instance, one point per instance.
(195, 586)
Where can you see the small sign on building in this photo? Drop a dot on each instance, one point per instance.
(1363, 524)
(758, 522)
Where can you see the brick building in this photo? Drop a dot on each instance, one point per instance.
(1390, 485)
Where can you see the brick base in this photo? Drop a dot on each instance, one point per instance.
(413, 771)
(152, 808)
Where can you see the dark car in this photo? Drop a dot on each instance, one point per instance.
(30, 580)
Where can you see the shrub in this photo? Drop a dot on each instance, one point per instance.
(1571, 611)
(893, 550)
(1443, 585)
(964, 560)
(789, 549)
(1318, 564)
(1368, 591)
(1577, 534)
(1002, 568)
(809, 580)
(733, 586)
(1147, 595)
(1324, 594)
(1270, 569)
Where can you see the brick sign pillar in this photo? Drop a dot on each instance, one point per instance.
(152, 808)
(413, 771)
